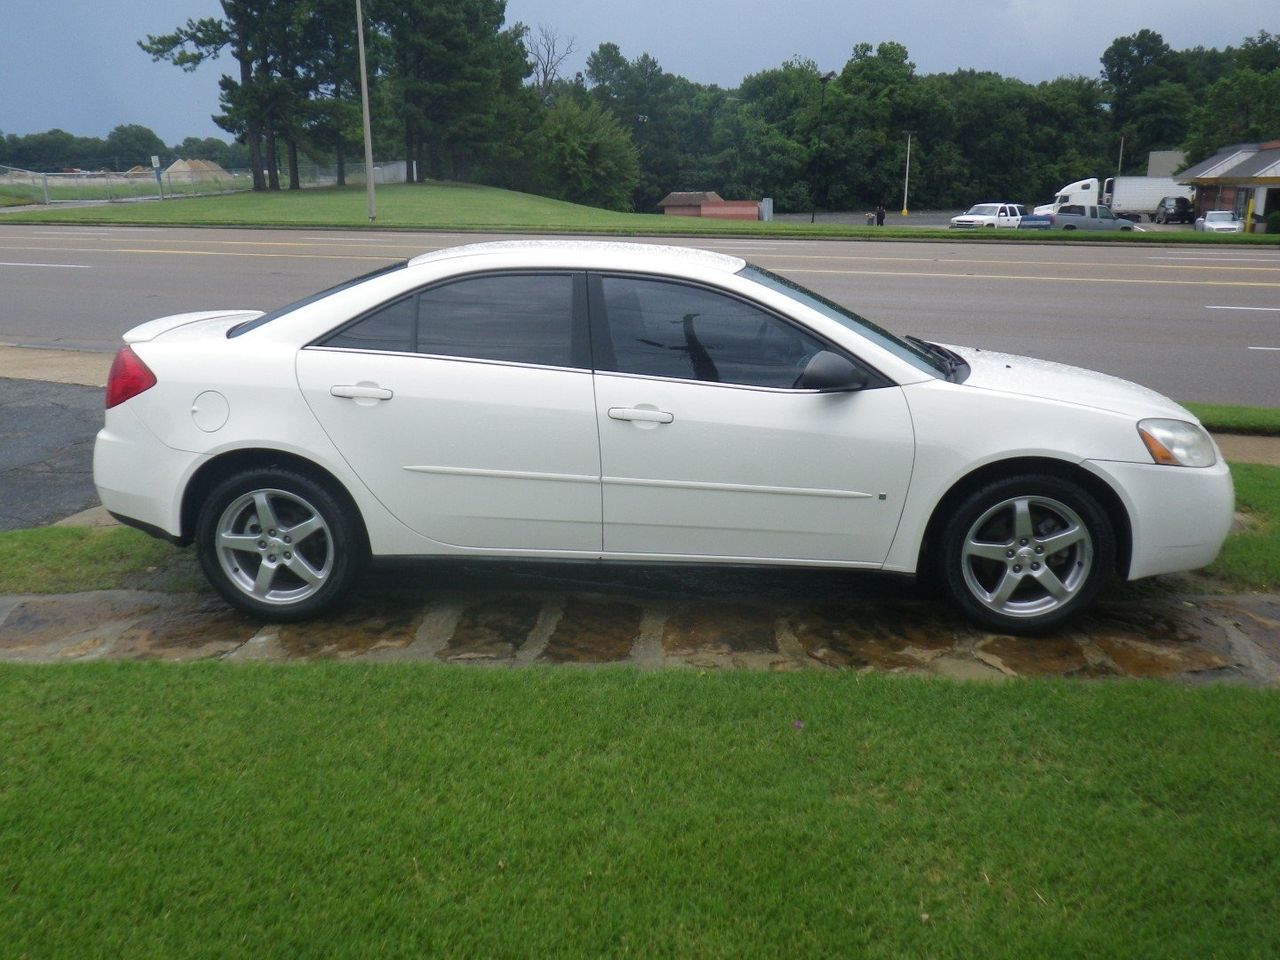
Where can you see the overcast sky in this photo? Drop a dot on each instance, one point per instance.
(76, 65)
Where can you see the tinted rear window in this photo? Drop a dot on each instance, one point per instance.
(266, 318)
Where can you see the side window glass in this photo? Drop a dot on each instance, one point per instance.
(387, 328)
(670, 330)
(517, 318)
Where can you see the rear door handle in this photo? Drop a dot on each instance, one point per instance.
(361, 391)
(641, 414)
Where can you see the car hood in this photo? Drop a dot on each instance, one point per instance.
(1028, 377)
(154, 328)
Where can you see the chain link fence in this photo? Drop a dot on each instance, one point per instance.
(25, 187)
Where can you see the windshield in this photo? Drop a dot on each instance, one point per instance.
(256, 322)
(1218, 215)
(983, 209)
(918, 357)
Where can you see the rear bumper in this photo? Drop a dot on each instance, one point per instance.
(140, 480)
(1179, 515)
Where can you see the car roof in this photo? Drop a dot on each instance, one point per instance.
(597, 254)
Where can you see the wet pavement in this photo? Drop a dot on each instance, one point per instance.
(500, 615)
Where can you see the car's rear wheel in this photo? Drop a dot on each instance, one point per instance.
(279, 544)
(1026, 553)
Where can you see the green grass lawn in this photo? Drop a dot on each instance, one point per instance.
(1250, 559)
(458, 206)
(341, 810)
(1223, 418)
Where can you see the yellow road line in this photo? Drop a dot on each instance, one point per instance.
(421, 248)
(858, 273)
(207, 253)
(998, 276)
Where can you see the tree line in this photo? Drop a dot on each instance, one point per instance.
(461, 95)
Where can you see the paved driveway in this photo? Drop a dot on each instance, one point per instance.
(46, 451)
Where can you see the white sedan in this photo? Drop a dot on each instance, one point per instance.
(630, 402)
(1219, 221)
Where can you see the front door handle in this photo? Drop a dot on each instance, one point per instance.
(640, 414)
(361, 391)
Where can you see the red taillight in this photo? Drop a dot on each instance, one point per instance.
(129, 377)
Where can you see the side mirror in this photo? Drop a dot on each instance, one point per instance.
(831, 372)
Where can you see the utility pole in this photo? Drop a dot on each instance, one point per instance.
(364, 104)
(906, 177)
(813, 173)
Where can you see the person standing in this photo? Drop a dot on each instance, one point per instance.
(880, 212)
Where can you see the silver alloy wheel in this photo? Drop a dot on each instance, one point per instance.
(274, 546)
(1027, 556)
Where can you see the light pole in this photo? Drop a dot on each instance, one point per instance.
(813, 173)
(906, 177)
(364, 105)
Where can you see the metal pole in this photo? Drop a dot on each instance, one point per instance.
(906, 178)
(1120, 159)
(364, 105)
(813, 189)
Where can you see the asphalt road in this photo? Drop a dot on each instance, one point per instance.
(1197, 323)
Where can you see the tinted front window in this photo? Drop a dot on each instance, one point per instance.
(524, 319)
(912, 354)
(666, 329)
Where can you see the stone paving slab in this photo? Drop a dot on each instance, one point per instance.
(1198, 639)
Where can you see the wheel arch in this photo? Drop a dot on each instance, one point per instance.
(254, 458)
(1107, 498)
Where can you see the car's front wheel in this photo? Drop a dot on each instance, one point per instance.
(1026, 553)
(279, 544)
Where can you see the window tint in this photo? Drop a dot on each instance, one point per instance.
(387, 328)
(253, 324)
(669, 330)
(519, 318)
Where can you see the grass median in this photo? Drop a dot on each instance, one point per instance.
(465, 207)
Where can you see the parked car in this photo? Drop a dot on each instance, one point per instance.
(988, 215)
(1220, 221)
(1076, 216)
(581, 400)
(1174, 210)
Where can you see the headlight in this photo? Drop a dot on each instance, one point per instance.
(1177, 443)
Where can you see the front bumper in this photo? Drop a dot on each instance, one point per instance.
(1179, 515)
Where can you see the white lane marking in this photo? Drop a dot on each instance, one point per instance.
(72, 233)
(1264, 309)
(1264, 348)
(1224, 259)
(738, 245)
(353, 239)
(68, 266)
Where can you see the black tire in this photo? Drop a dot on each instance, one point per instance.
(278, 544)
(999, 565)
(1069, 226)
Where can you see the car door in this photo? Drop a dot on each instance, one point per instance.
(467, 409)
(708, 449)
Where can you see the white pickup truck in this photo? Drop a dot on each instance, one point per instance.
(988, 215)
